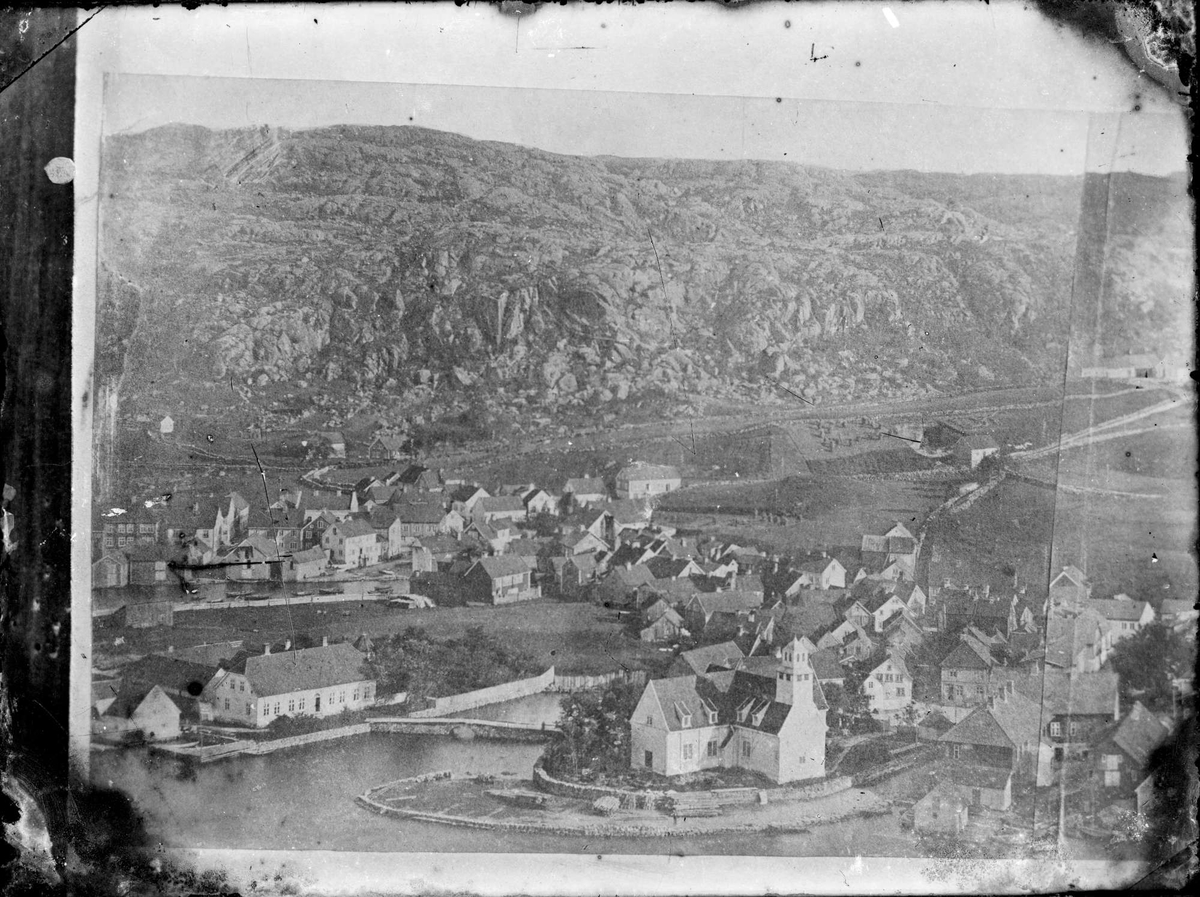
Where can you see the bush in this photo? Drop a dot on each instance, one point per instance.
(865, 756)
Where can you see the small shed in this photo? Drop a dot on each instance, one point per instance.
(166, 426)
(943, 810)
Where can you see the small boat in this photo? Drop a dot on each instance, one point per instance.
(329, 591)
(255, 596)
(217, 599)
(304, 594)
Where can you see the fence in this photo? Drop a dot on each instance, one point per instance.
(495, 694)
(582, 682)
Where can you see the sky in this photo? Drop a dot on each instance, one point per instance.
(950, 87)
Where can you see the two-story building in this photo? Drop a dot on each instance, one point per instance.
(1076, 707)
(502, 580)
(1125, 617)
(351, 543)
(1004, 733)
(1078, 642)
(888, 686)
(254, 689)
(647, 480)
(1070, 588)
(966, 673)
(774, 725)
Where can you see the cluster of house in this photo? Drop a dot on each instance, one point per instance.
(155, 697)
(1044, 710)
(494, 542)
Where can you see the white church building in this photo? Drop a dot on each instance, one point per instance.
(766, 717)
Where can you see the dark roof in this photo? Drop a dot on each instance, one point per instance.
(935, 720)
(355, 527)
(967, 655)
(381, 517)
(1130, 611)
(826, 666)
(726, 693)
(305, 669)
(585, 486)
(499, 504)
(667, 567)
(129, 697)
(504, 565)
(1063, 693)
(1012, 722)
(466, 492)
(169, 672)
(419, 511)
(728, 602)
(414, 474)
(1139, 734)
(723, 655)
(308, 555)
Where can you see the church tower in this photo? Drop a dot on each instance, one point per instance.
(794, 674)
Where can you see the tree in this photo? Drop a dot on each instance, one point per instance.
(1148, 661)
(595, 730)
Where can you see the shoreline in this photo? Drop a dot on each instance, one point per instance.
(575, 817)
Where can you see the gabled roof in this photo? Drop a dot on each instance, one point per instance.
(503, 565)
(169, 672)
(1139, 734)
(466, 492)
(1177, 607)
(722, 655)
(1072, 574)
(627, 511)
(1016, 719)
(826, 666)
(1129, 611)
(130, 697)
(968, 655)
(333, 437)
(1062, 693)
(668, 567)
(381, 517)
(308, 555)
(305, 669)
(497, 504)
(414, 474)
(419, 511)
(727, 602)
(355, 527)
(585, 486)
(390, 442)
(649, 472)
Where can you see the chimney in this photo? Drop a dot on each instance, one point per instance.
(991, 702)
(170, 649)
(287, 645)
(324, 641)
(267, 648)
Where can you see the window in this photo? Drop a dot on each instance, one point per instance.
(341, 697)
(291, 706)
(241, 686)
(745, 749)
(1056, 728)
(712, 749)
(302, 703)
(689, 751)
(248, 710)
(1074, 728)
(956, 751)
(266, 709)
(276, 707)
(1112, 778)
(227, 703)
(649, 759)
(712, 717)
(900, 691)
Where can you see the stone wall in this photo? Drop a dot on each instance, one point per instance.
(723, 796)
(479, 728)
(279, 744)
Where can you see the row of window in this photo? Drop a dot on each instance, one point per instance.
(1056, 728)
(800, 677)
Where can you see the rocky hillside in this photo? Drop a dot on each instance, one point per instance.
(358, 268)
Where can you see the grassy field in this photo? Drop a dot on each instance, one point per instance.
(1139, 546)
(817, 514)
(575, 638)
